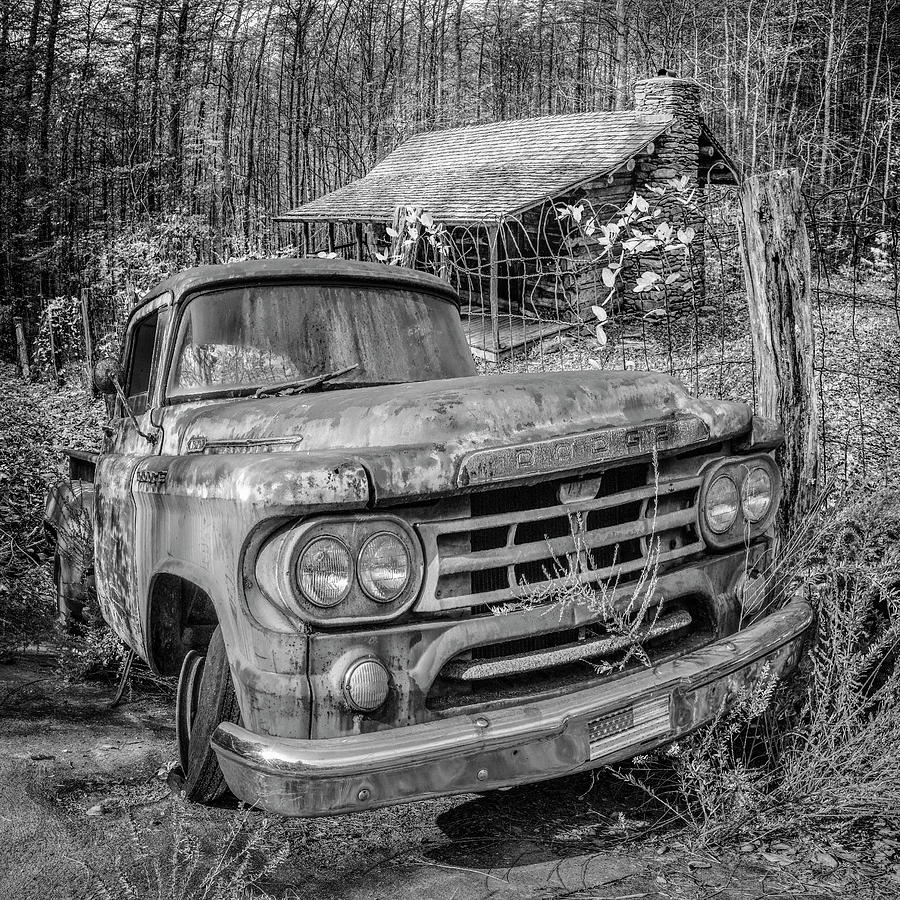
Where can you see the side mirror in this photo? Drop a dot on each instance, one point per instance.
(108, 375)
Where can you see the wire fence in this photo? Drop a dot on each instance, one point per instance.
(548, 274)
(598, 286)
(603, 284)
(856, 321)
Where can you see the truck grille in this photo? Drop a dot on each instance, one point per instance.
(522, 542)
(574, 661)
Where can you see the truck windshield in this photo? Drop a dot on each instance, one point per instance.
(237, 340)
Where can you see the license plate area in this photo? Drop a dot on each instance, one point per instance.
(629, 725)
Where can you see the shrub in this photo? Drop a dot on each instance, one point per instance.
(39, 420)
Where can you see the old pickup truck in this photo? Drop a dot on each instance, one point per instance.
(381, 576)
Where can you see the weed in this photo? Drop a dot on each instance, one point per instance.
(820, 750)
(235, 868)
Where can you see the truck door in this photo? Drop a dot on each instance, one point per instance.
(127, 442)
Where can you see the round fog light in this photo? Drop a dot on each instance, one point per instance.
(366, 685)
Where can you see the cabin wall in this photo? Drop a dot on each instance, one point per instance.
(677, 155)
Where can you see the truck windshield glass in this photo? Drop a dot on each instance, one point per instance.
(240, 339)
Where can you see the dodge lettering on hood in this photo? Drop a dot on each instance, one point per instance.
(380, 576)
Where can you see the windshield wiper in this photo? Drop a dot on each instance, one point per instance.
(304, 384)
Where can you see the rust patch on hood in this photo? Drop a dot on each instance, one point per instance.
(280, 482)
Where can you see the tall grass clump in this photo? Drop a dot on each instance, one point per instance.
(234, 865)
(820, 750)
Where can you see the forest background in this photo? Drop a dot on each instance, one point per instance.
(131, 128)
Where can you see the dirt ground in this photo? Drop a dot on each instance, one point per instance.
(83, 797)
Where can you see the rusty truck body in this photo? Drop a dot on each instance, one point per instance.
(381, 576)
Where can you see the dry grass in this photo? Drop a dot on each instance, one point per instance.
(235, 867)
(819, 752)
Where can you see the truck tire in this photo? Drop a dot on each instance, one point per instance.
(205, 699)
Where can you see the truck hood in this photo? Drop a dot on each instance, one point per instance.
(435, 437)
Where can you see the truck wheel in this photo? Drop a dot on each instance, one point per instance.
(204, 700)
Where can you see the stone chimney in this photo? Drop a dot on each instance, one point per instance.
(676, 153)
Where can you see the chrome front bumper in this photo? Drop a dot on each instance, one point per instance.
(540, 739)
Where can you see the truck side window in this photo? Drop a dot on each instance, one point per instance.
(140, 365)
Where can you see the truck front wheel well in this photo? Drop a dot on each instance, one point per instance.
(182, 618)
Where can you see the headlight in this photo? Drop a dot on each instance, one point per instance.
(340, 570)
(756, 494)
(384, 567)
(325, 571)
(722, 504)
(738, 500)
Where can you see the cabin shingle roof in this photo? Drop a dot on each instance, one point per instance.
(485, 172)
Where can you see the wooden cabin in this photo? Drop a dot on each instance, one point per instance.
(497, 190)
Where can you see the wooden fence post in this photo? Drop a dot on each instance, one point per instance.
(22, 348)
(54, 368)
(88, 342)
(776, 258)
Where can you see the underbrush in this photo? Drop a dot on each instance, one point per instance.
(37, 420)
(817, 754)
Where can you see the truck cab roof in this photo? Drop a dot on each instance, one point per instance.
(198, 278)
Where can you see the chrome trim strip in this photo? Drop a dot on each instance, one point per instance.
(522, 593)
(516, 554)
(608, 501)
(536, 660)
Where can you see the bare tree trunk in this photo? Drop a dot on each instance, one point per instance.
(251, 139)
(20, 166)
(88, 342)
(776, 256)
(175, 108)
(228, 208)
(44, 134)
(153, 178)
(826, 100)
(621, 50)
